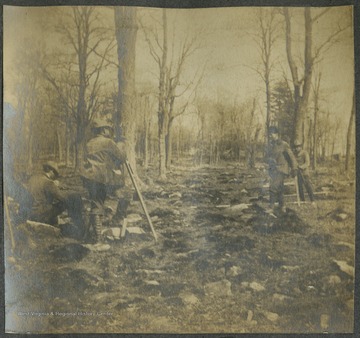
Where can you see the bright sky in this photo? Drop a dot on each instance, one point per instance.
(227, 48)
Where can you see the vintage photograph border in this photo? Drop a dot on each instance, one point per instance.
(199, 4)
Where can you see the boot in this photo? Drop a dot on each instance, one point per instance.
(98, 227)
(121, 210)
(95, 227)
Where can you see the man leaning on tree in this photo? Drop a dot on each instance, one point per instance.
(282, 162)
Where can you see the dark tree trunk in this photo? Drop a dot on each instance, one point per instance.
(124, 121)
(349, 136)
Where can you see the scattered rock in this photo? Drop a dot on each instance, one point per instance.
(250, 316)
(280, 298)
(341, 217)
(42, 230)
(112, 233)
(11, 260)
(245, 284)
(338, 214)
(220, 289)
(256, 286)
(223, 206)
(234, 271)
(175, 194)
(152, 282)
(135, 230)
(98, 247)
(155, 219)
(189, 298)
(334, 280)
(345, 244)
(133, 218)
(236, 209)
(324, 321)
(345, 267)
(290, 267)
(272, 316)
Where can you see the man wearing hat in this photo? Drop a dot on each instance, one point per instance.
(101, 171)
(48, 201)
(303, 175)
(281, 162)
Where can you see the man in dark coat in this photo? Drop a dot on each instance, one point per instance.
(303, 175)
(281, 162)
(48, 201)
(102, 172)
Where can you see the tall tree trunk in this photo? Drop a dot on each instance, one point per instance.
(59, 146)
(30, 152)
(81, 106)
(168, 142)
(349, 136)
(300, 101)
(315, 140)
(68, 139)
(162, 155)
(126, 32)
(146, 144)
(268, 104)
(162, 112)
(168, 149)
(301, 113)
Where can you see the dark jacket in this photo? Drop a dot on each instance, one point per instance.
(45, 194)
(281, 158)
(104, 158)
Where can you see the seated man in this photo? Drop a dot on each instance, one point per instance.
(48, 201)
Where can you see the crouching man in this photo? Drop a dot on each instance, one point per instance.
(48, 201)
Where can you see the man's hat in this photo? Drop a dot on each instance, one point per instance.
(273, 130)
(100, 123)
(53, 166)
(297, 143)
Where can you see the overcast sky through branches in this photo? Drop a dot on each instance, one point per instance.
(226, 52)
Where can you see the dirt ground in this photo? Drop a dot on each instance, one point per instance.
(221, 263)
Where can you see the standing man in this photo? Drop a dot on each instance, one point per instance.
(303, 175)
(101, 171)
(281, 160)
(48, 201)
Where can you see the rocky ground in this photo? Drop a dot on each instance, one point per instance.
(221, 263)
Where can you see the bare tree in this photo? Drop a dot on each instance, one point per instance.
(316, 97)
(265, 39)
(30, 91)
(349, 136)
(125, 32)
(312, 54)
(89, 44)
(171, 67)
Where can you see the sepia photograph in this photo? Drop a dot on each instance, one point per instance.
(179, 170)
